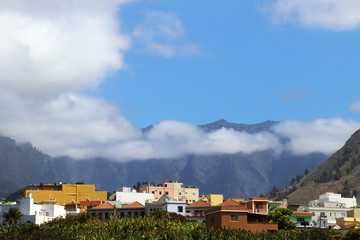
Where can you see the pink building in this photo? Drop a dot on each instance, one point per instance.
(174, 190)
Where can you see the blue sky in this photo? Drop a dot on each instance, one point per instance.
(248, 69)
(80, 78)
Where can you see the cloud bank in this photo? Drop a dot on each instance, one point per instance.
(334, 15)
(51, 50)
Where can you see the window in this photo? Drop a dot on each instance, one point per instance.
(136, 214)
(234, 218)
(179, 193)
(180, 209)
(122, 214)
(167, 193)
(330, 214)
(300, 220)
(160, 192)
(165, 185)
(186, 193)
(343, 214)
(212, 219)
(193, 194)
(153, 192)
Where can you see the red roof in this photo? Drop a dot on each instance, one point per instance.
(199, 203)
(89, 203)
(303, 213)
(104, 206)
(229, 202)
(258, 198)
(134, 205)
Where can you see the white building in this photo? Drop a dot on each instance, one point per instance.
(335, 198)
(329, 207)
(39, 213)
(126, 195)
(168, 204)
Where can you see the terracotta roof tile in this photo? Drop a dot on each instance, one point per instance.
(199, 203)
(229, 202)
(303, 213)
(134, 205)
(104, 205)
(89, 203)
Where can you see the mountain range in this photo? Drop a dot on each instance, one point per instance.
(234, 175)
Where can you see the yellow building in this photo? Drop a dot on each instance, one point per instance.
(214, 199)
(239, 200)
(67, 193)
(352, 219)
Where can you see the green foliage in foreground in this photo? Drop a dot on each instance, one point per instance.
(84, 227)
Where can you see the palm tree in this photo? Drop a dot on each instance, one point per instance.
(12, 215)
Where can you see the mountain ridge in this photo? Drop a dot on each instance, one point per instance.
(234, 175)
(339, 173)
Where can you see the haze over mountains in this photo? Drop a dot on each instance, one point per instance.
(234, 175)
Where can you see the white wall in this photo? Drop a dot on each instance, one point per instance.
(130, 197)
(335, 197)
(39, 213)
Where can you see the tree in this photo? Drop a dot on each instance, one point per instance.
(306, 172)
(282, 216)
(12, 215)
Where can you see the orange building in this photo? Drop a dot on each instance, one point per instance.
(67, 193)
(253, 216)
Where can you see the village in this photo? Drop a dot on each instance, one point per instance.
(45, 202)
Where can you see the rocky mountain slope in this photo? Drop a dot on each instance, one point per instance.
(340, 173)
(234, 175)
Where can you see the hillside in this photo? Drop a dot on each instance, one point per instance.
(340, 173)
(234, 175)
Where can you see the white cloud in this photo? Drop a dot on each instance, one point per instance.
(50, 50)
(172, 139)
(337, 15)
(163, 33)
(355, 107)
(49, 46)
(322, 135)
(73, 125)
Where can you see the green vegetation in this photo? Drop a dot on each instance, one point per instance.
(158, 226)
(282, 216)
(12, 216)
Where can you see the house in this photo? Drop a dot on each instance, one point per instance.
(127, 195)
(174, 190)
(252, 216)
(132, 209)
(102, 211)
(214, 199)
(168, 204)
(300, 217)
(36, 213)
(195, 212)
(335, 198)
(66, 193)
(352, 219)
(105, 210)
(41, 212)
(328, 208)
